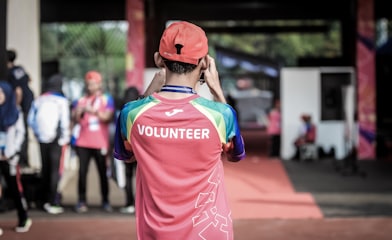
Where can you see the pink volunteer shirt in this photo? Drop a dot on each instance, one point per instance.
(94, 133)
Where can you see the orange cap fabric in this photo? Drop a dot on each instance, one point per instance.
(183, 42)
(93, 76)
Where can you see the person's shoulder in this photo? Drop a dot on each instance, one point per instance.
(59, 97)
(83, 97)
(81, 100)
(214, 105)
(18, 69)
(135, 103)
(275, 112)
(106, 95)
(206, 101)
(18, 72)
(51, 97)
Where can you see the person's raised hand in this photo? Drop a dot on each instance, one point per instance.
(157, 82)
(211, 77)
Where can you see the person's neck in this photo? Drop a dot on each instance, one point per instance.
(185, 80)
(178, 87)
(93, 94)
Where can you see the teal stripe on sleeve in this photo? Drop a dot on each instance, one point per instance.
(131, 111)
(222, 116)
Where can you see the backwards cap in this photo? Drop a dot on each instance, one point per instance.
(93, 76)
(183, 42)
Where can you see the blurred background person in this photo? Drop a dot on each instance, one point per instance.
(19, 80)
(130, 94)
(93, 112)
(49, 118)
(274, 130)
(12, 132)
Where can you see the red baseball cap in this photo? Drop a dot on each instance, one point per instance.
(93, 76)
(183, 42)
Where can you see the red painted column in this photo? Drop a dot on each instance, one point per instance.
(366, 86)
(135, 60)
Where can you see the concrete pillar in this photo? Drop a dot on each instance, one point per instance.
(23, 24)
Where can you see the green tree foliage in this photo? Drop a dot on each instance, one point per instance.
(80, 47)
(285, 48)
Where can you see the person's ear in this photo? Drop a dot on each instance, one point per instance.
(204, 62)
(158, 60)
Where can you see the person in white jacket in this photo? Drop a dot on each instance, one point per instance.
(12, 133)
(49, 118)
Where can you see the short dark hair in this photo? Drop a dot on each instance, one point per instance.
(131, 93)
(11, 55)
(179, 67)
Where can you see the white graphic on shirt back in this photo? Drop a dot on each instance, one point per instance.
(220, 222)
(173, 112)
(211, 219)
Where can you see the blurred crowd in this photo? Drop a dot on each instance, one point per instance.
(61, 129)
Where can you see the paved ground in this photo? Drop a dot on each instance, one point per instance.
(121, 228)
(341, 195)
(354, 208)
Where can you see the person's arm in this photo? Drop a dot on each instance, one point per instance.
(65, 131)
(19, 95)
(77, 112)
(31, 116)
(105, 115)
(211, 77)
(14, 139)
(156, 83)
(234, 147)
(122, 150)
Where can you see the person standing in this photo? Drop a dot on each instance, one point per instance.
(12, 131)
(130, 94)
(93, 112)
(177, 138)
(274, 130)
(19, 80)
(49, 118)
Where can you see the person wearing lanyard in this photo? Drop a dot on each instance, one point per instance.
(93, 112)
(177, 138)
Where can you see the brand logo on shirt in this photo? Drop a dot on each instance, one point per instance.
(173, 112)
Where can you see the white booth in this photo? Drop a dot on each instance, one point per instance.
(328, 95)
